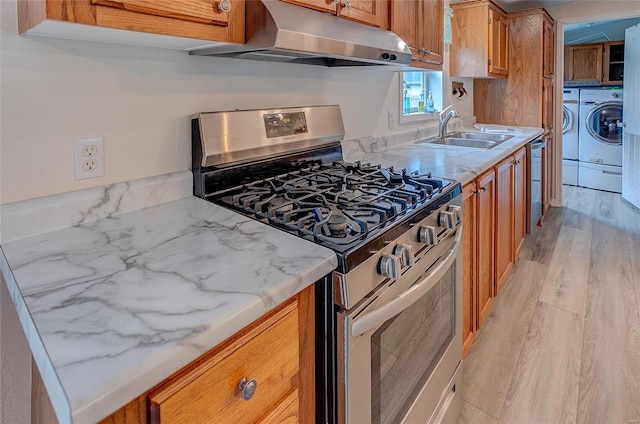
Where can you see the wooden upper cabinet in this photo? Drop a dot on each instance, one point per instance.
(549, 48)
(322, 5)
(420, 24)
(480, 45)
(210, 20)
(369, 12)
(498, 43)
(583, 62)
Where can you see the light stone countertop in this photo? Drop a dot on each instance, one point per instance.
(113, 307)
(459, 163)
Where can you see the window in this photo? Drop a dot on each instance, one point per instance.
(415, 103)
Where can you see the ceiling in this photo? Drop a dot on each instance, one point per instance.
(587, 32)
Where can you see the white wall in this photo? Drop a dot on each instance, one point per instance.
(140, 99)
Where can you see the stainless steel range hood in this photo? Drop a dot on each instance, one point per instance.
(280, 32)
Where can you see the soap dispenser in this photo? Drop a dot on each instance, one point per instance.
(430, 106)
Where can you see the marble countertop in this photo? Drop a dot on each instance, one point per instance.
(459, 163)
(113, 307)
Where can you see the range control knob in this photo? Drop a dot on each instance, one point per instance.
(457, 213)
(389, 266)
(427, 235)
(405, 253)
(447, 220)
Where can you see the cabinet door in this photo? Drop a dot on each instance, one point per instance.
(504, 221)
(519, 199)
(199, 11)
(548, 49)
(404, 23)
(322, 5)
(498, 43)
(431, 27)
(469, 194)
(484, 257)
(368, 12)
(583, 63)
(547, 164)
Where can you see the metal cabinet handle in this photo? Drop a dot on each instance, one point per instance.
(424, 51)
(224, 6)
(347, 4)
(248, 388)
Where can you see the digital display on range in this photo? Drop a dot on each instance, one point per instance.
(281, 124)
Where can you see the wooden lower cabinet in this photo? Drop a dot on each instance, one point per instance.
(504, 223)
(469, 274)
(519, 199)
(511, 213)
(485, 214)
(277, 352)
(495, 217)
(478, 206)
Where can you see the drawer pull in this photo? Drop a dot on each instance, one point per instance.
(248, 388)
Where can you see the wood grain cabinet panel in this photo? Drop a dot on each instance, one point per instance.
(370, 12)
(504, 221)
(519, 200)
(198, 19)
(480, 46)
(420, 25)
(469, 272)
(485, 218)
(583, 62)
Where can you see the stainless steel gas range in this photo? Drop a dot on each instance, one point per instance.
(388, 319)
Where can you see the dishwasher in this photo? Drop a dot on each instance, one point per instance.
(534, 183)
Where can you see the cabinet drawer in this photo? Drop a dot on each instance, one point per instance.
(209, 392)
(200, 11)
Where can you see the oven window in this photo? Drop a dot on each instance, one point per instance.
(406, 349)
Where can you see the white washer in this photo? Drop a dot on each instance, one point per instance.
(570, 110)
(600, 139)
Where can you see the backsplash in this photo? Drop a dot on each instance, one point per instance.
(30, 217)
(383, 142)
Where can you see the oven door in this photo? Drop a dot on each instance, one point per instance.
(399, 349)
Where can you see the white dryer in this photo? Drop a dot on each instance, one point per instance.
(600, 139)
(570, 121)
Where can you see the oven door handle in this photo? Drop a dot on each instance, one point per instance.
(375, 318)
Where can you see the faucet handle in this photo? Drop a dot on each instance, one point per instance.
(444, 111)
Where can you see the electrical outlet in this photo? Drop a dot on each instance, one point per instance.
(391, 117)
(88, 158)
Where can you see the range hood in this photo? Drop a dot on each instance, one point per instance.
(281, 32)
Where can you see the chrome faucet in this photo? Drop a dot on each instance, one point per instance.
(446, 114)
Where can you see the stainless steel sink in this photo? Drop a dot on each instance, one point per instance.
(480, 136)
(476, 140)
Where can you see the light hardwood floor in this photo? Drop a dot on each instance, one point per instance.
(562, 341)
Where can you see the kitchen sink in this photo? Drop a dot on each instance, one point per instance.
(475, 140)
(480, 136)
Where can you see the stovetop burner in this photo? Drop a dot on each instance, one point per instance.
(335, 204)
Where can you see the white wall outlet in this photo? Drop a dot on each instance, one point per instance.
(391, 117)
(88, 158)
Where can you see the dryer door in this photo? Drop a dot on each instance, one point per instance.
(602, 123)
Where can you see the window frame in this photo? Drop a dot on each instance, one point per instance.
(431, 81)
